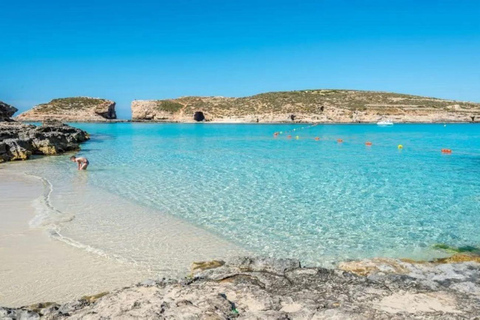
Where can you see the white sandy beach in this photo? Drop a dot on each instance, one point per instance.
(37, 268)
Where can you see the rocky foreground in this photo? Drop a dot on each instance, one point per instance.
(260, 288)
(20, 141)
(314, 106)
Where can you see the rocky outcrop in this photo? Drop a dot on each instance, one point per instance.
(20, 141)
(404, 266)
(6, 111)
(317, 106)
(263, 288)
(77, 109)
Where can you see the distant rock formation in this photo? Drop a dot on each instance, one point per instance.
(265, 288)
(6, 111)
(316, 106)
(81, 109)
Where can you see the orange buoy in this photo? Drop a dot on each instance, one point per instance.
(339, 140)
(368, 143)
(317, 138)
(446, 150)
(289, 137)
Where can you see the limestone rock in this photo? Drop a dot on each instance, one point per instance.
(402, 266)
(460, 257)
(260, 264)
(373, 266)
(95, 297)
(265, 288)
(19, 141)
(17, 149)
(205, 265)
(72, 109)
(6, 111)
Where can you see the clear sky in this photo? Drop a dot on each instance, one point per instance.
(126, 50)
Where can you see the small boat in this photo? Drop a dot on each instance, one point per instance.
(385, 123)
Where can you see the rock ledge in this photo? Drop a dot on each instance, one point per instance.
(263, 288)
(20, 141)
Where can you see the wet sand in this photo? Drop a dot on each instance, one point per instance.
(36, 268)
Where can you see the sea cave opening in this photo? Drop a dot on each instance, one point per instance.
(199, 116)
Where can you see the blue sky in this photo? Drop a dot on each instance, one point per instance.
(125, 50)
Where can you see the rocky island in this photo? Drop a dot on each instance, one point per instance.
(315, 106)
(20, 141)
(76, 109)
(265, 288)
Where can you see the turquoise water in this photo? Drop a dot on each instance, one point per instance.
(319, 201)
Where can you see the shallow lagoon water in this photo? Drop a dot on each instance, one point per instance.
(319, 201)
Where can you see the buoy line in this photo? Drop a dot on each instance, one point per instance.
(400, 147)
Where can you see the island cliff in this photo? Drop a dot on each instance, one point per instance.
(316, 106)
(20, 141)
(81, 109)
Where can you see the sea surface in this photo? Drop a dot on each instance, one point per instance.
(321, 201)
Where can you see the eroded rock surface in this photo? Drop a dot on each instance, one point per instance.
(20, 141)
(259, 288)
(72, 109)
(6, 111)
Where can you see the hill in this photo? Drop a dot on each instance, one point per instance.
(323, 106)
(72, 109)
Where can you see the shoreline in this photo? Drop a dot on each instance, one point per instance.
(54, 267)
(39, 269)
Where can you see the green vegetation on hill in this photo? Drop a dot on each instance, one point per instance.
(167, 105)
(71, 104)
(311, 101)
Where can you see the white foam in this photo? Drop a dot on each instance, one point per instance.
(46, 215)
(51, 219)
(58, 236)
(76, 213)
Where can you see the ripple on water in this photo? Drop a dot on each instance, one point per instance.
(319, 201)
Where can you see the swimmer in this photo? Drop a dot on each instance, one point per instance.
(81, 162)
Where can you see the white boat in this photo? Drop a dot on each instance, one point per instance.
(385, 123)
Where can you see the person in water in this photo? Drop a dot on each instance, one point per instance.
(81, 162)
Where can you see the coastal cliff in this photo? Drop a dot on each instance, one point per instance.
(72, 109)
(316, 106)
(265, 288)
(20, 141)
